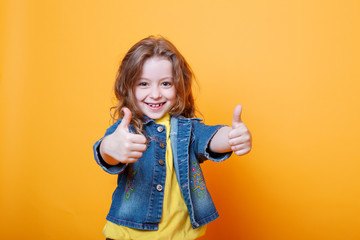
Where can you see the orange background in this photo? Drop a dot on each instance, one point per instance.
(293, 65)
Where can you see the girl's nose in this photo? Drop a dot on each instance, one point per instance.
(155, 93)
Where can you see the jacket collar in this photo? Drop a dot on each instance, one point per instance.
(147, 120)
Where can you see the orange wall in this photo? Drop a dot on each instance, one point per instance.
(293, 65)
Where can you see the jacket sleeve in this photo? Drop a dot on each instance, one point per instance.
(112, 169)
(201, 137)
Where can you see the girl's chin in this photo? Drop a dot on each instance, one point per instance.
(155, 116)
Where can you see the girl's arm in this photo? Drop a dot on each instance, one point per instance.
(236, 138)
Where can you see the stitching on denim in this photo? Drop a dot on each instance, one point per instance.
(151, 197)
(197, 181)
(204, 219)
(129, 188)
(139, 224)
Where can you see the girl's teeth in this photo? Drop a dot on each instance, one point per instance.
(154, 105)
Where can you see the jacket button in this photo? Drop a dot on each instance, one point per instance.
(160, 129)
(159, 188)
(161, 162)
(162, 145)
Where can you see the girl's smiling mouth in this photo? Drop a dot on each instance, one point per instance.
(155, 106)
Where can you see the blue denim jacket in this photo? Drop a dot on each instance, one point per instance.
(138, 199)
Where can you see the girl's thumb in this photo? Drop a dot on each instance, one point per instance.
(237, 116)
(126, 119)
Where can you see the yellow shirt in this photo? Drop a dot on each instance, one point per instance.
(175, 222)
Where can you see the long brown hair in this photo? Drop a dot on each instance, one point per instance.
(130, 71)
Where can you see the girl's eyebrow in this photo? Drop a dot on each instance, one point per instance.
(163, 78)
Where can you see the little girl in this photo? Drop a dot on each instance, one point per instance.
(156, 147)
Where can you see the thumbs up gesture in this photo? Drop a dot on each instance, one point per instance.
(123, 146)
(239, 135)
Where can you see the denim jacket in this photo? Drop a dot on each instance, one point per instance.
(138, 198)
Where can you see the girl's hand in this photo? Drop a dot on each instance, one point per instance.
(239, 136)
(123, 146)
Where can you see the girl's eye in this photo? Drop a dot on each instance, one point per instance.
(143, 84)
(166, 84)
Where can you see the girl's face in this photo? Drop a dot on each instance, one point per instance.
(154, 91)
